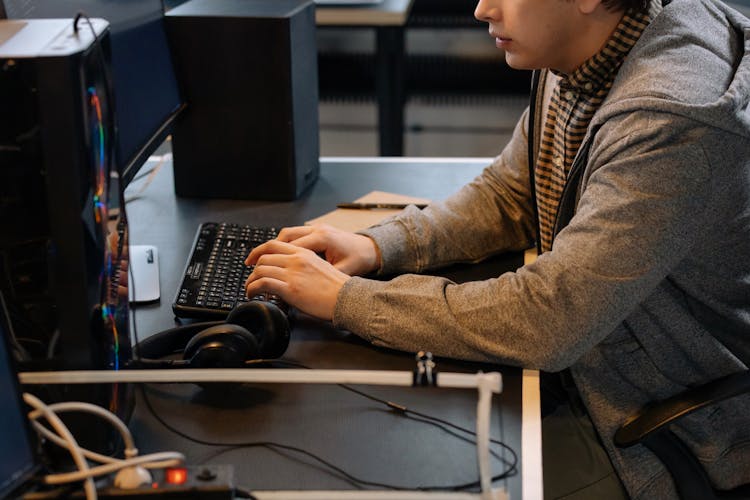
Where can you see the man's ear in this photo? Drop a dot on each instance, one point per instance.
(588, 6)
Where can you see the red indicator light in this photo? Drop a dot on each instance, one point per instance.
(176, 475)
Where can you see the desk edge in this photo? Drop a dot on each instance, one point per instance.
(531, 438)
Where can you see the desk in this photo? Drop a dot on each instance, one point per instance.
(388, 19)
(350, 431)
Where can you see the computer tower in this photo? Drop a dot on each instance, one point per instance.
(63, 239)
(248, 73)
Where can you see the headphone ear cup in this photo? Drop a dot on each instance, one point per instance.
(221, 346)
(267, 322)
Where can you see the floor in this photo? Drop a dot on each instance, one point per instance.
(458, 126)
(465, 127)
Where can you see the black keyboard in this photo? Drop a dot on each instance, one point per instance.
(214, 279)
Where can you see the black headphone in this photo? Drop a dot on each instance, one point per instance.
(253, 330)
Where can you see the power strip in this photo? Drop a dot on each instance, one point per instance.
(207, 482)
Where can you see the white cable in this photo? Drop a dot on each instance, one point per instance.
(64, 432)
(92, 455)
(80, 406)
(170, 458)
(130, 449)
(112, 464)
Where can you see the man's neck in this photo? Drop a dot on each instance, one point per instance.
(595, 33)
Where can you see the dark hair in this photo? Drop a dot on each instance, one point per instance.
(615, 5)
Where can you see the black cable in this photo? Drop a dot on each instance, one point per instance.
(213, 456)
(455, 434)
(76, 20)
(272, 446)
(407, 412)
(262, 444)
(442, 424)
(510, 471)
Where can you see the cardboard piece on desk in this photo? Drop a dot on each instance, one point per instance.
(353, 219)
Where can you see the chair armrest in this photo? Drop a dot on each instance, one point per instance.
(655, 416)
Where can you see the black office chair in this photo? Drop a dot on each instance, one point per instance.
(650, 427)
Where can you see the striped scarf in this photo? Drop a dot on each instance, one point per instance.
(574, 101)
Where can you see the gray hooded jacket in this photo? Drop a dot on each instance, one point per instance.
(646, 291)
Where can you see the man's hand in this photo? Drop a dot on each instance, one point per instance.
(297, 275)
(351, 253)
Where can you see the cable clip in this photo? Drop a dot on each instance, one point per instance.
(425, 373)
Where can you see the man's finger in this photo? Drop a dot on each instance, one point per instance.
(266, 285)
(312, 241)
(269, 247)
(288, 234)
(272, 259)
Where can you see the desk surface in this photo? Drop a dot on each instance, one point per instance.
(385, 13)
(348, 430)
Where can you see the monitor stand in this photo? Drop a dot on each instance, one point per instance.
(144, 274)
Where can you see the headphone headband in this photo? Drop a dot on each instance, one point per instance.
(258, 329)
(164, 343)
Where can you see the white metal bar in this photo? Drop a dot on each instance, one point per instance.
(256, 375)
(498, 494)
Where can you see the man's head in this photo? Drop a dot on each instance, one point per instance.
(557, 34)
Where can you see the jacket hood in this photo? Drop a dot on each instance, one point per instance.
(685, 64)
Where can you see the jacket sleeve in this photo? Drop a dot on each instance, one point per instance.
(640, 209)
(491, 214)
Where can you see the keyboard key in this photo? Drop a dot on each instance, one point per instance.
(214, 279)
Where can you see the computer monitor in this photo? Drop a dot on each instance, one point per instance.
(146, 93)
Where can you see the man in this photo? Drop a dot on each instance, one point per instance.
(639, 202)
